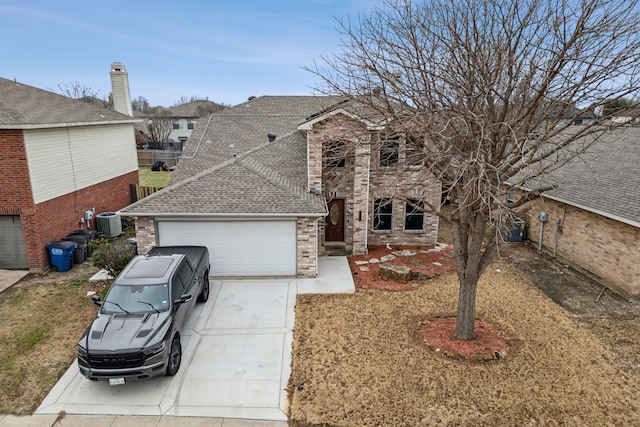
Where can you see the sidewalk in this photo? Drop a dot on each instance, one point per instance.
(129, 421)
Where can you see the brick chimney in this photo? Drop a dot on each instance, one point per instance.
(120, 89)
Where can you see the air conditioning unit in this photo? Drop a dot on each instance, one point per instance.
(109, 224)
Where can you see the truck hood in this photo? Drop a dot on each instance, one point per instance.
(126, 332)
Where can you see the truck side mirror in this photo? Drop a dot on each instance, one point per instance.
(184, 298)
(96, 299)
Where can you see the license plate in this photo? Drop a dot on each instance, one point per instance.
(116, 381)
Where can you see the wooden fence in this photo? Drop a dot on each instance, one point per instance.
(141, 191)
(149, 157)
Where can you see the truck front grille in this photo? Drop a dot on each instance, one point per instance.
(116, 361)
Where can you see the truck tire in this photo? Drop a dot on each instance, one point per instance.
(175, 357)
(204, 295)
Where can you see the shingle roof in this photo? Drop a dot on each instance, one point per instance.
(605, 179)
(269, 180)
(23, 106)
(239, 129)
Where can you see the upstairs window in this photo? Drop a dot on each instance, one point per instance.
(389, 149)
(382, 214)
(414, 215)
(189, 124)
(335, 153)
(176, 125)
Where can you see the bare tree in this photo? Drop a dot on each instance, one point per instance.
(141, 104)
(160, 124)
(491, 90)
(76, 90)
(186, 100)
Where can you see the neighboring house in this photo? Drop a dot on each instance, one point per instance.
(273, 183)
(594, 212)
(629, 115)
(59, 158)
(185, 118)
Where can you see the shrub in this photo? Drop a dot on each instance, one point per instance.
(113, 256)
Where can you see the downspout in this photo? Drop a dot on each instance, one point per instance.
(540, 238)
(366, 209)
(543, 217)
(558, 230)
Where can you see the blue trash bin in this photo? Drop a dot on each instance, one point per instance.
(61, 254)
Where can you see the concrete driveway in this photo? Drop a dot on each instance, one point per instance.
(236, 357)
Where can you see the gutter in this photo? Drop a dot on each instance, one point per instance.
(203, 215)
(70, 124)
(595, 211)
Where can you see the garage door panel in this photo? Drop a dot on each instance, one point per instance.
(238, 248)
(13, 254)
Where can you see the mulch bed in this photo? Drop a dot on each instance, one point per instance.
(427, 264)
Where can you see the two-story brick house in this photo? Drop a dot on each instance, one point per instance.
(273, 183)
(59, 159)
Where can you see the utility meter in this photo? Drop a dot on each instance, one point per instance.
(543, 216)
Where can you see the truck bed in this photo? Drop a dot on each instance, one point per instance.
(193, 253)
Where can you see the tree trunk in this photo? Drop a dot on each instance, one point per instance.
(471, 260)
(466, 316)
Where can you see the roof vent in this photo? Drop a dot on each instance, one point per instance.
(271, 136)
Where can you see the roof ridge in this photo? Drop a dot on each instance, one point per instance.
(274, 176)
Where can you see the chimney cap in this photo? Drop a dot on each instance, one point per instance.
(271, 136)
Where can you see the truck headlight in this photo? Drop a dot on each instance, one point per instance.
(154, 349)
(82, 352)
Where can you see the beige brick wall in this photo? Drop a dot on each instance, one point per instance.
(307, 251)
(145, 234)
(362, 180)
(407, 181)
(606, 248)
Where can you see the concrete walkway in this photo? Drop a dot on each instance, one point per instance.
(236, 363)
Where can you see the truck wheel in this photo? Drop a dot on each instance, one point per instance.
(204, 295)
(175, 357)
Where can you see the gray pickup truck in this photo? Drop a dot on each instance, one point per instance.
(136, 332)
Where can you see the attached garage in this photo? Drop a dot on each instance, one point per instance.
(13, 255)
(238, 248)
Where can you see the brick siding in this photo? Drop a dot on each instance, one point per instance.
(53, 219)
(307, 248)
(362, 180)
(145, 234)
(606, 248)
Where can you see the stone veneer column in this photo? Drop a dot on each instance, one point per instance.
(307, 253)
(314, 159)
(145, 234)
(362, 168)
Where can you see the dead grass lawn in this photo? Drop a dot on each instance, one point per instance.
(358, 361)
(41, 320)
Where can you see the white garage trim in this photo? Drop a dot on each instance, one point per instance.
(238, 248)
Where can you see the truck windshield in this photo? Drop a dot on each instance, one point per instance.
(136, 298)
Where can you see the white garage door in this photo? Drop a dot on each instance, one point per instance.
(238, 248)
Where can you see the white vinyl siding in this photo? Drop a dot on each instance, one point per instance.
(238, 248)
(68, 159)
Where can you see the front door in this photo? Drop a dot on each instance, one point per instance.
(334, 222)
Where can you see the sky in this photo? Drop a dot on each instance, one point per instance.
(223, 50)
